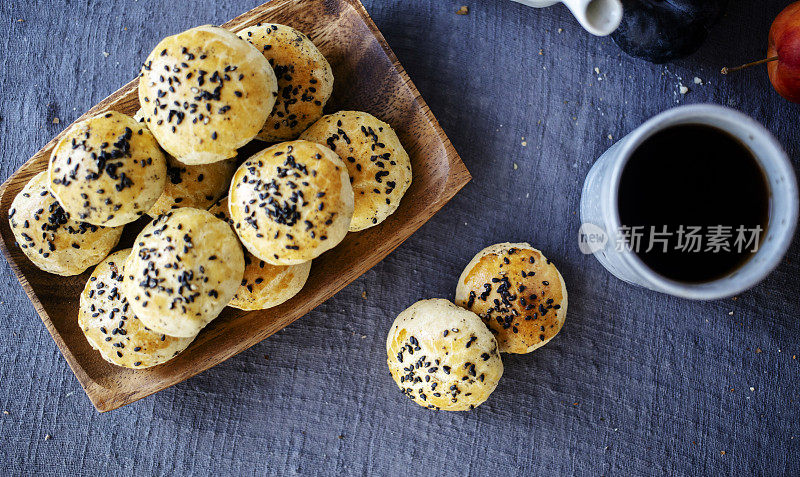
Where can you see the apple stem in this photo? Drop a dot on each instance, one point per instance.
(727, 70)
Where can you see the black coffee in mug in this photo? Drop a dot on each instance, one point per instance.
(693, 202)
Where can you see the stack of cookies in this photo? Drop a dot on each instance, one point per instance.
(224, 231)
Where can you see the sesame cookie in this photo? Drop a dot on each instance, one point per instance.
(51, 238)
(291, 202)
(198, 186)
(107, 170)
(263, 285)
(305, 79)
(111, 327)
(517, 292)
(185, 266)
(379, 167)
(205, 93)
(442, 356)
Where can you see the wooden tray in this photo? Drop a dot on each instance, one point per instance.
(368, 77)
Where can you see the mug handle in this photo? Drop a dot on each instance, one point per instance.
(598, 17)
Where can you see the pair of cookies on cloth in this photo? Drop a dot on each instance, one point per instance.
(509, 299)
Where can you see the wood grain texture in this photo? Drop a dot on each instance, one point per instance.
(368, 77)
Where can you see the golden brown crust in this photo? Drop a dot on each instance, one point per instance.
(442, 356)
(112, 329)
(305, 79)
(197, 186)
(204, 93)
(107, 170)
(263, 285)
(49, 236)
(379, 167)
(291, 202)
(517, 292)
(184, 268)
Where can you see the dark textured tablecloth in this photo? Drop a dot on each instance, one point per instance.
(636, 383)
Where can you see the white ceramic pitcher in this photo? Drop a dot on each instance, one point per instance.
(598, 17)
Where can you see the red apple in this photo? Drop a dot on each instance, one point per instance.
(784, 43)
